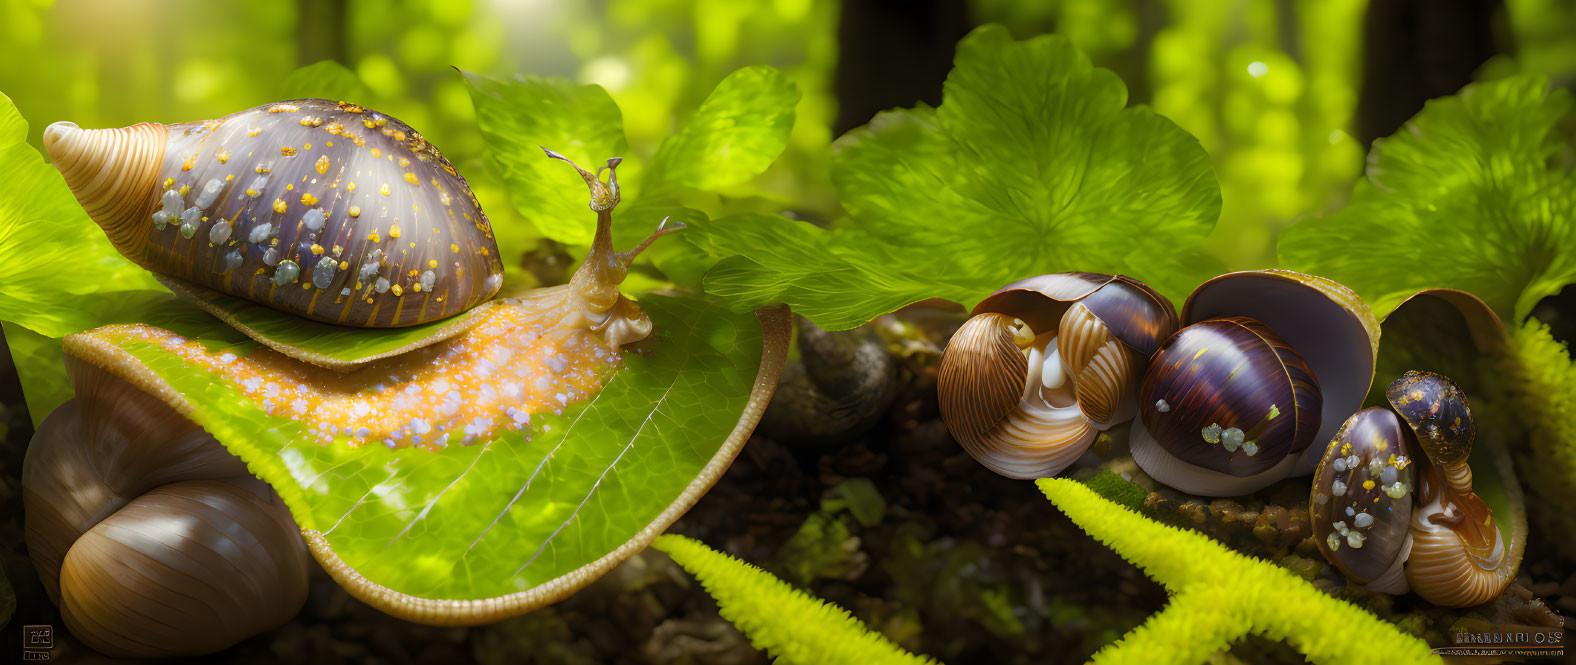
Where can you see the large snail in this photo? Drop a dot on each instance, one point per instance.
(323, 209)
(154, 539)
(1268, 363)
(1045, 364)
(1392, 520)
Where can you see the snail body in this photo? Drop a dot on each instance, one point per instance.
(1273, 358)
(1424, 518)
(155, 541)
(1045, 364)
(323, 209)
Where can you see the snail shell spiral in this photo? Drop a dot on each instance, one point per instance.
(323, 209)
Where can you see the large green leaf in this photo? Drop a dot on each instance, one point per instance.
(521, 116)
(738, 131)
(1032, 164)
(1465, 196)
(521, 508)
(59, 271)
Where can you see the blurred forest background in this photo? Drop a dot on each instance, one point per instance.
(1285, 94)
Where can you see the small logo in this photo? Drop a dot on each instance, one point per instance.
(37, 641)
(1520, 642)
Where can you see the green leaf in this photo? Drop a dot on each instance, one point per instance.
(323, 344)
(828, 276)
(521, 116)
(60, 272)
(860, 497)
(518, 510)
(1032, 164)
(790, 625)
(325, 79)
(1464, 196)
(736, 133)
(1219, 596)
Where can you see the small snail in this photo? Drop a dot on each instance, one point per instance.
(154, 541)
(1376, 508)
(1046, 363)
(327, 210)
(1269, 362)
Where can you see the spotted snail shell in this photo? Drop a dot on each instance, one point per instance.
(327, 210)
(1045, 364)
(1396, 522)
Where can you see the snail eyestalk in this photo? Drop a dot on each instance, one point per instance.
(594, 286)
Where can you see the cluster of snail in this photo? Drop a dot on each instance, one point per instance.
(149, 534)
(1256, 386)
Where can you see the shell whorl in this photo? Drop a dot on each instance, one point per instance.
(152, 538)
(112, 172)
(323, 209)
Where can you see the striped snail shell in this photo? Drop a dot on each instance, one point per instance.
(1045, 364)
(1273, 358)
(1459, 557)
(154, 541)
(323, 209)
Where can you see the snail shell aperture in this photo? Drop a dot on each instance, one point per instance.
(1045, 364)
(323, 209)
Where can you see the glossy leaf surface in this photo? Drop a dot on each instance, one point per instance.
(512, 511)
(1032, 164)
(1467, 196)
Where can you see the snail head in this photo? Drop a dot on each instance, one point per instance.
(604, 195)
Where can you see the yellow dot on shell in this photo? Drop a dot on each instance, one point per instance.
(433, 263)
(1368, 484)
(394, 231)
(306, 120)
(279, 205)
(377, 153)
(411, 178)
(262, 169)
(350, 187)
(384, 189)
(317, 249)
(252, 192)
(169, 182)
(454, 247)
(416, 287)
(289, 187)
(404, 162)
(230, 177)
(322, 164)
(223, 156)
(374, 237)
(185, 189)
(253, 132)
(397, 290)
(307, 147)
(286, 150)
(343, 265)
(308, 199)
(355, 211)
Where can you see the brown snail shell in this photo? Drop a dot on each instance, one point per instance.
(323, 209)
(1459, 557)
(153, 539)
(1230, 396)
(1046, 363)
(1325, 323)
